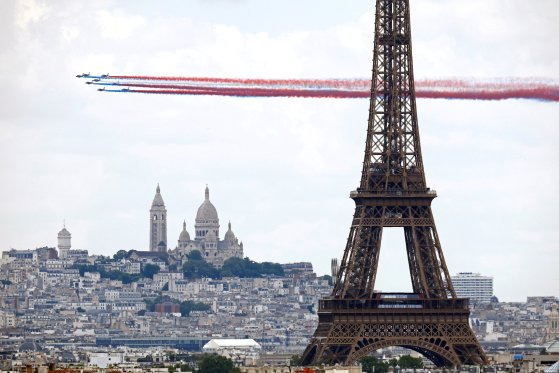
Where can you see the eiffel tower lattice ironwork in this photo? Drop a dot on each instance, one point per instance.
(355, 320)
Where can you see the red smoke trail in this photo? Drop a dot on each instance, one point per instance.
(491, 89)
(259, 92)
(546, 95)
(333, 83)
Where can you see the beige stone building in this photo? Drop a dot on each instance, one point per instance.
(158, 223)
(552, 330)
(206, 240)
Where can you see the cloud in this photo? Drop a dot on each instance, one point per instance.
(29, 11)
(118, 25)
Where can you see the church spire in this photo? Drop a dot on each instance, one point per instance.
(157, 190)
(207, 193)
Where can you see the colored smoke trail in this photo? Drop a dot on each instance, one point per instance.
(490, 89)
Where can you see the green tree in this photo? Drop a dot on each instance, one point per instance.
(217, 364)
(198, 269)
(237, 267)
(409, 362)
(393, 362)
(149, 270)
(295, 360)
(187, 306)
(372, 364)
(327, 278)
(120, 254)
(195, 255)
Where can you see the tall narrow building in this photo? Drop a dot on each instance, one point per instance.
(64, 242)
(158, 224)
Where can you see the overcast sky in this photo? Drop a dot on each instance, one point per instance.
(280, 169)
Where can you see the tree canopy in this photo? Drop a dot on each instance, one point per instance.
(372, 364)
(149, 270)
(237, 267)
(216, 364)
(185, 307)
(198, 268)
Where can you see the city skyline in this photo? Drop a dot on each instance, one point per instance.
(282, 167)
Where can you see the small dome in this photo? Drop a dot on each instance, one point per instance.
(206, 211)
(229, 235)
(158, 200)
(64, 233)
(184, 236)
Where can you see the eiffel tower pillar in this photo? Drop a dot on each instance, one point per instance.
(356, 320)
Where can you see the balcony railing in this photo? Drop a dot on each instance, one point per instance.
(393, 301)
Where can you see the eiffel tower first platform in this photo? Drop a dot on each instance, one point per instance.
(356, 320)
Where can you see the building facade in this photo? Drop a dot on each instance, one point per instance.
(158, 224)
(64, 243)
(474, 286)
(206, 239)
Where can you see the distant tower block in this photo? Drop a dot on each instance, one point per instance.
(158, 224)
(64, 242)
(334, 267)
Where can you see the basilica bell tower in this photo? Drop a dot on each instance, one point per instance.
(158, 224)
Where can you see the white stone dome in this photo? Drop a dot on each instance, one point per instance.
(229, 235)
(184, 236)
(206, 211)
(64, 233)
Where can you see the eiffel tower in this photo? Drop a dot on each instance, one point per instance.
(356, 320)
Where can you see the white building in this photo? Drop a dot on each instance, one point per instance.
(474, 286)
(105, 359)
(241, 351)
(7, 319)
(162, 278)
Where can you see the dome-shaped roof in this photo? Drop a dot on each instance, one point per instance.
(184, 236)
(207, 210)
(30, 346)
(229, 235)
(158, 200)
(64, 233)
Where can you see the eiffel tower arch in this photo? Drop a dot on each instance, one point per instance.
(356, 320)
